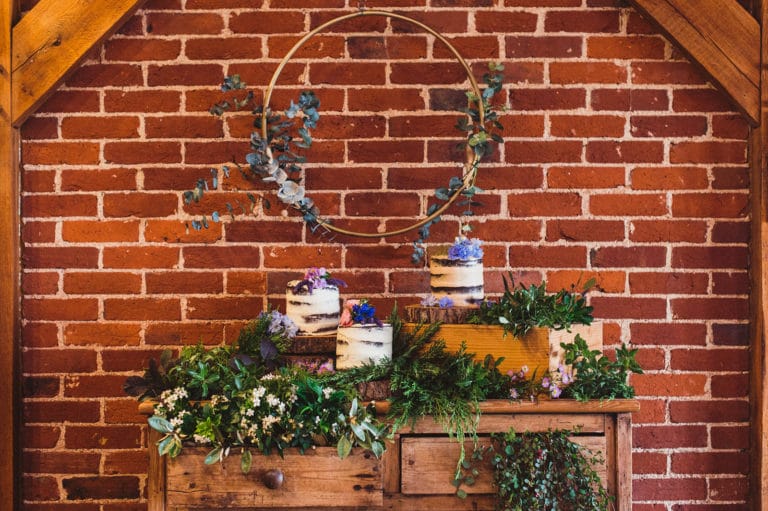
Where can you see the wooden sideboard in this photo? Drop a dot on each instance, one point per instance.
(413, 475)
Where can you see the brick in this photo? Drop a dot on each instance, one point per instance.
(84, 231)
(102, 334)
(344, 127)
(378, 99)
(40, 335)
(619, 204)
(174, 231)
(40, 128)
(41, 437)
(40, 386)
(679, 73)
(712, 360)
(38, 181)
(510, 178)
(710, 308)
(730, 126)
(71, 101)
(556, 204)
(614, 307)
(508, 230)
(38, 232)
(301, 257)
(40, 283)
(669, 178)
(555, 256)
(730, 283)
(422, 126)
(140, 205)
(648, 463)
(710, 205)
(231, 48)
(699, 100)
(668, 283)
(663, 334)
(586, 72)
(59, 153)
(708, 152)
(101, 487)
(266, 22)
(710, 257)
(584, 21)
(246, 282)
(141, 49)
(505, 22)
(378, 256)
(668, 126)
(51, 309)
(585, 230)
(60, 462)
(93, 386)
(564, 47)
(625, 152)
(224, 308)
(142, 309)
(730, 437)
(382, 204)
(122, 411)
(109, 282)
(710, 462)
(183, 126)
(669, 437)
(214, 153)
(173, 334)
(629, 99)
(98, 180)
(126, 461)
(60, 257)
(184, 282)
(605, 281)
(129, 257)
(585, 177)
(587, 126)
(730, 385)
(61, 410)
(142, 101)
(731, 232)
(62, 205)
(733, 178)
(547, 99)
(221, 257)
(160, 23)
(184, 74)
(667, 488)
(625, 257)
(142, 152)
(102, 437)
(471, 47)
(408, 282)
(386, 151)
(321, 47)
(730, 335)
(670, 385)
(667, 231)
(121, 359)
(625, 47)
(729, 489)
(106, 75)
(42, 489)
(652, 411)
(545, 151)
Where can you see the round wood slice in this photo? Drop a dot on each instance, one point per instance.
(313, 344)
(447, 315)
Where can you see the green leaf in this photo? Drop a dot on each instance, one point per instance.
(160, 424)
(344, 447)
(216, 454)
(245, 461)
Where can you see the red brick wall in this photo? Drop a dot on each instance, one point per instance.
(620, 162)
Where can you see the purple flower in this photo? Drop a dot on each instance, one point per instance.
(464, 248)
(445, 302)
(556, 391)
(545, 382)
(514, 394)
(317, 278)
(429, 301)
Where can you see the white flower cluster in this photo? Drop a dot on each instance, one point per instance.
(171, 406)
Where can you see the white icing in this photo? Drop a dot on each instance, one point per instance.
(462, 281)
(360, 344)
(316, 313)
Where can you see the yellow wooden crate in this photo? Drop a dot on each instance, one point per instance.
(539, 349)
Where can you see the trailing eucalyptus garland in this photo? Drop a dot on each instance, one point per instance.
(275, 159)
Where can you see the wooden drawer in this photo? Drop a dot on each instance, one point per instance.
(316, 479)
(428, 464)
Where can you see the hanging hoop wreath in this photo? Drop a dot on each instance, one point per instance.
(276, 168)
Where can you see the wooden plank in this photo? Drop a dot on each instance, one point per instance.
(52, 39)
(156, 474)
(721, 37)
(10, 251)
(317, 478)
(623, 465)
(588, 423)
(390, 463)
(439, 502)
(429, 464)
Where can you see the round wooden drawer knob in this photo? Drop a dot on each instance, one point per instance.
(273, 479)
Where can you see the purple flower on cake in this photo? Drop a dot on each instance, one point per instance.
(359, 312)
(317, 278)
(465, 248)
(432, 301)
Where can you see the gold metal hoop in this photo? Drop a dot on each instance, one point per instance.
(470, 170)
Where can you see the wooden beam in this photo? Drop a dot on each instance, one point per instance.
(759, 276)
(722, 37)
(10, 293)
(53, 38)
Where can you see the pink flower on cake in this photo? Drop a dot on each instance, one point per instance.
(346, 313)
